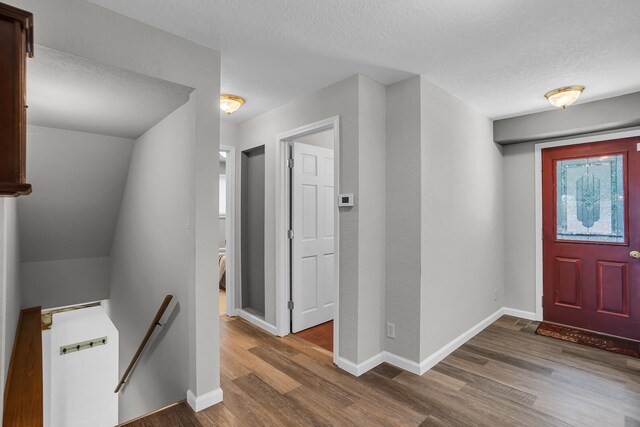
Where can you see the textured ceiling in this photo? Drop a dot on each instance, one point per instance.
(68, 92)
(500, 56)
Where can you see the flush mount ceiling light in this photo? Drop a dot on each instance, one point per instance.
(564, 96)
(230, 103)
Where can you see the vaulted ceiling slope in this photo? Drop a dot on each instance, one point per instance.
(69, 92)
(84, 118)
(499, 56)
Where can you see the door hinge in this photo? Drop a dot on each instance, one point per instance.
(541, 300)
(290, 234)
(290, 305)
(290, 163)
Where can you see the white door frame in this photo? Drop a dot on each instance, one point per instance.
(283, 221)
(538, 195)
(230, 229)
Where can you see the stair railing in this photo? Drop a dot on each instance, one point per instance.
(155, 323)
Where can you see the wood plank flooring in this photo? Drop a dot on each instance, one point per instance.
(321, 335)
(505, 376)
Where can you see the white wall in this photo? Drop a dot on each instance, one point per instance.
(359, 300)
(80, 384)
(462, 216)
(519, 206)
(117, 40)
(151, 257)
(60, 283)
(9, 284)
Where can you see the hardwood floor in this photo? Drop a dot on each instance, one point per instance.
(222, 302)
(321, 335)
(505, 376)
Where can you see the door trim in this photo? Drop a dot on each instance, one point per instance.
(538, 197)
(233, 291)
(283, 220)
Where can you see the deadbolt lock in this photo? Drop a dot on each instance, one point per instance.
(634, 254)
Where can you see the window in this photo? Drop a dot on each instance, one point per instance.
(590, 203)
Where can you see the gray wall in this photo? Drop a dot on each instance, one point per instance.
(360, 298)
(73, 210)
(151, 258)
(67, 224)
(252, 230)
(228, 132)
(322, 139)
(403, 217)
(64, 282)
(222, 223)
(519, 206)
(9, 284)
(371, 222)
(116, 40)
(615, 113)
(462, 216)
(445, 239)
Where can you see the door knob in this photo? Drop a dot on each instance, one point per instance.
(634, 254)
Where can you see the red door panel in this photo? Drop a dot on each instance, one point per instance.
(591, 223)
(613, 288)
(566, 286)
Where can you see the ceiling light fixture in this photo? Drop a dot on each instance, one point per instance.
(230, 103)
(564, 96)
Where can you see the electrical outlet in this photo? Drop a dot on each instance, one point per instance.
(495, 295)
(391, 330)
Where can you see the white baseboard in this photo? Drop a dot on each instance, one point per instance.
(402, 363)
(436, 357)
(453, 345)
(360, 368)
(260, 323)
(528, 315)
(198, 403)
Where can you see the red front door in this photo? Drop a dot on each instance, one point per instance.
(591, 230)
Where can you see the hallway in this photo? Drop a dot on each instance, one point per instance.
(506, 375)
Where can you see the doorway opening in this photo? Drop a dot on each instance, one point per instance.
(226, 232)
(307, 230)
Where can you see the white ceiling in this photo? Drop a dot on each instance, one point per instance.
(500, 56)
(69, 92)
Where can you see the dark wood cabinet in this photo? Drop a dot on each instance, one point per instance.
(16, 44)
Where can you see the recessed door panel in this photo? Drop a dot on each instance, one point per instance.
(567, 282)
(613, 288)
(328, 280)
(328, 206)
(310, 279)
(309, 212)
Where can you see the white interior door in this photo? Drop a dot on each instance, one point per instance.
(313, 282)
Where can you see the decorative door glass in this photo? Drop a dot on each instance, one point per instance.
(590, 202)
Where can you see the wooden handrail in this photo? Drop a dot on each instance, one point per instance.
(23, 394)
(152, 327)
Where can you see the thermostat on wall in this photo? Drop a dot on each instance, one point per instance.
(345, 200)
